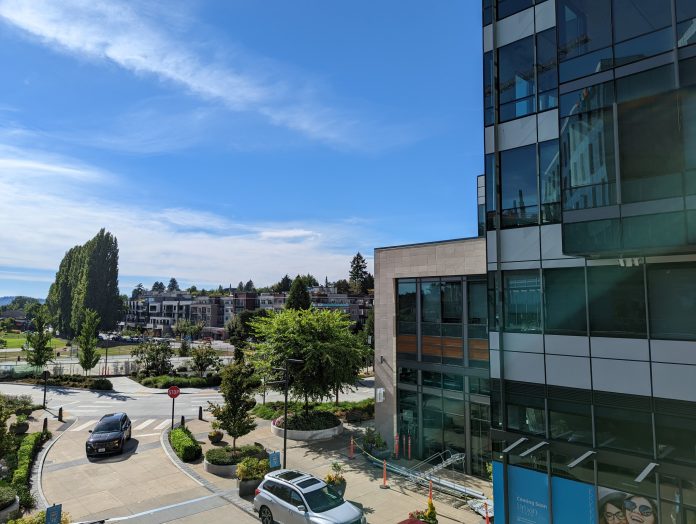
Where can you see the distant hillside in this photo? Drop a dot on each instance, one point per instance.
(8, 300)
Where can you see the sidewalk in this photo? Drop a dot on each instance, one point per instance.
(381, 506)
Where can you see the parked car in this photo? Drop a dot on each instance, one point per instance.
(288, 497)
(109, 435)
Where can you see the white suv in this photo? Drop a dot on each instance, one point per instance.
(291, 497)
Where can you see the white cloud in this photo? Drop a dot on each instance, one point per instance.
(42, 217)
(113, 31)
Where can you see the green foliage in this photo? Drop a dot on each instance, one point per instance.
(184, 444)
(312, 421)
(342, 286)
(39, 518)
(238, 384)
(3, 343)
(204, 357)
(6, 439)
(220, 457)
(282, 286)
(332, 355)
(184, 348)
(165, 381)
(87, 340)
(249, 286)
(154, 357)
(373, 440)
(7, 496)
(173, 285)
(40, 351)
(158, 287)
(75, 381)
(359, 410)
(252, 469)
(25, 457)
(138, 291)
(298, 298)
(239, 329)
(429, 516)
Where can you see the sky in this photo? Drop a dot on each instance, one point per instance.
(227, 141)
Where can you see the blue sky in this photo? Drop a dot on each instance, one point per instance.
(223, 141)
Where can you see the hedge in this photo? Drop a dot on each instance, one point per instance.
(7, 496)
(350, 411)
(184, 444)
(165, 381)
(25, 457)
(227, 455)
(252, 469)
(220, 457)
(75, 381)
(39, 518)
(313, 421)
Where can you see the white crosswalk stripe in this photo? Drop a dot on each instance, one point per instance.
(84, 426)
(144, 424)
(163, 425)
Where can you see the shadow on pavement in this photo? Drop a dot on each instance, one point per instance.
(129, 449)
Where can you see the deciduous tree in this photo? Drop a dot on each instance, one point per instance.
(39, 350)
(87, 340)
(154, 357)
(204, 357)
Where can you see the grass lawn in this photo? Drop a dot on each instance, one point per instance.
(17, 341)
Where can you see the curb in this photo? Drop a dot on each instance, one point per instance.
(44, 453)
(231, 497)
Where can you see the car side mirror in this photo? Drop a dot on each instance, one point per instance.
(302, 508)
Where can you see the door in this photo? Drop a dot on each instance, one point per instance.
(296, 515)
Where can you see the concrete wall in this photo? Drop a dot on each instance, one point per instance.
(436, 259)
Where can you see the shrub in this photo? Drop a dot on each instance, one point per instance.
(253, 450)
(39, 518)
(25, 456)
(101, 384)
(182, 369)
(7, 496)
(373, 440)
(252, 469)
(220, 457)
(312, 421)
(184, 444)
(164, 381)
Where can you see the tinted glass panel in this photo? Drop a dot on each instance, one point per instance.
(452, 303)
(432, 379)
(672, 296)
(585, 65)
(430, 302)
(516, 79)
(617, 301)
(477, 308)
(624, 430)
(654, 231)
(583, 26)
(564, 301)
(522, 301)
(685, 9)
(526, 414)
(637, 17)
(408, 376)
(407, 307)
(570, 422)
(519, 186)
(510, 7)
(590, 98)
(432, 424)
(591, 237)
(646, 84)
(487, 11)
(643, 46)
(675, 438)
(452, 382)
(686, 28)
(550, 172)
(547, 70)
(488, 86)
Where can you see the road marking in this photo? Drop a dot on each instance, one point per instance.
(177, 505)
(84, 426)
(145, 424)
(163, 425)
(148, 435)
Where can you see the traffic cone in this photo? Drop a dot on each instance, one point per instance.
(384, 484)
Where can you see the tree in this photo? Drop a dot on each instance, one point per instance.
(158, 287)
(138, 291)
(239, 380)
(192, 289)
(298, 298)
(39, 350)
(173, 285)
(204, 357)
(240, 287)
(184, 348)
(368, 336)
(342, 286)
(283, 286)
(154, 357)
(238, 328)
(87, 340)
(309, 280)
(368, 283)
(332, 355)
(358, 273)
(6, 324)
(249, 286)
(3, 343)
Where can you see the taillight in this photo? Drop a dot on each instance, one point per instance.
(257, 491)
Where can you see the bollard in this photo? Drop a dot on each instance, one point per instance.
(183, 421)
(200, 412)
(396, 446)
(45, 424)
(351, 450)
(409, 447)
(60, 414)
(485, 509)
(384, 484)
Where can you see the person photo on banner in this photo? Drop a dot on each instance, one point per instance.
(611, 508)
(640, 510)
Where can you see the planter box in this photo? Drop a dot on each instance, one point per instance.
(227, 471)
(247, 487)
(5, 513)
(308, 436)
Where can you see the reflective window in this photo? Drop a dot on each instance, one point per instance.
(516, 79)
(452, 382)
(570, 421)
(510, 7)
(452, 303)
(408, 413)
(564, 301)
(686, 22)
(491, 191)
(407, 307)
(654, 231)
(624, 429)
(430, 302)
(488, 102)
(487, 12)
(526, 414)
(643, 29)
(518, 174)
(617, 301)
(547, 71)
(431, 379)
(480, 439)
(672, 299)
(432, 424)
(408, 376)
(587, 99)
(675, 438)
(592, 236)
(550, 181)
(522, 301)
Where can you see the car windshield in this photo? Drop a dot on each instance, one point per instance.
(108, 426)
(323, 499)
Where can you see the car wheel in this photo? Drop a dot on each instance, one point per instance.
(265, 515)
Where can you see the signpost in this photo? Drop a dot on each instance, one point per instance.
(173, 392)
(53, 514)
(274, 459)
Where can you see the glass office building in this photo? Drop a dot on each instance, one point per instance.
(590, 215)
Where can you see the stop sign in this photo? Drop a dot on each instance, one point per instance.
(173, 391)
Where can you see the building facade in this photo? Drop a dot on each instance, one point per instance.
(431, 349)
(590, 142)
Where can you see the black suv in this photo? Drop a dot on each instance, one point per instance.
(110, 435)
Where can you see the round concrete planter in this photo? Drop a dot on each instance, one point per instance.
(319, 434)
(5, 513)
(227, 471)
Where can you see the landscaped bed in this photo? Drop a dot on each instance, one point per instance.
(223, 461)
(165, 381)
(315, 425)
(347, 411)
(185, 444)
(72, 381)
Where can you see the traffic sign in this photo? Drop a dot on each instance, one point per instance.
(173, 391)
(274, 459)
(53, 514)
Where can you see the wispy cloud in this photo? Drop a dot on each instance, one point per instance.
(42, 217)
(116, 32)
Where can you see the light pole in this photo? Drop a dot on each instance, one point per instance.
(286, 382)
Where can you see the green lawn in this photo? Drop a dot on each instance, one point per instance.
(17, 341)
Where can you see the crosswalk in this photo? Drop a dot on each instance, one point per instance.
(151, 424)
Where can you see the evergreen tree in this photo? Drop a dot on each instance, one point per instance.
(283, 286)
(173, 285)
(309, 280)
(240, 287)
(138, 291)
(298, 298)
(358, 273)
(158, 287)
(87, 340)
(39, 350)
(342, 286)
(249, 286)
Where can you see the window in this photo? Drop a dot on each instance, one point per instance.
(550, 181)
(510, 7)
(432, 379)
(686, 22)
(591, 237)
(452, 382)
(408, 376)
(408, 413)
(564, 301)
(675, 438)
(519, 186)
(587, 99)
(547, 71)
(480, 438)
(407, 307)
(617, 301)
(432, 424)
(491, 192)
(672, 299)
(487, 12)
(624, 430)
(522, 301)
(585, 37)
(526, 414)
(452, 303)
(477, 310)
(430, 302)
(488, 109)
(654, 231)
(570, 422)
(643, 29)
(516, 79)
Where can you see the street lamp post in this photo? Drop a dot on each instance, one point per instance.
(286, 382)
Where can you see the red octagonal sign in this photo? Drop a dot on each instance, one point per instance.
(173, 391)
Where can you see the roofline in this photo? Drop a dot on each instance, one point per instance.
(453, 240)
